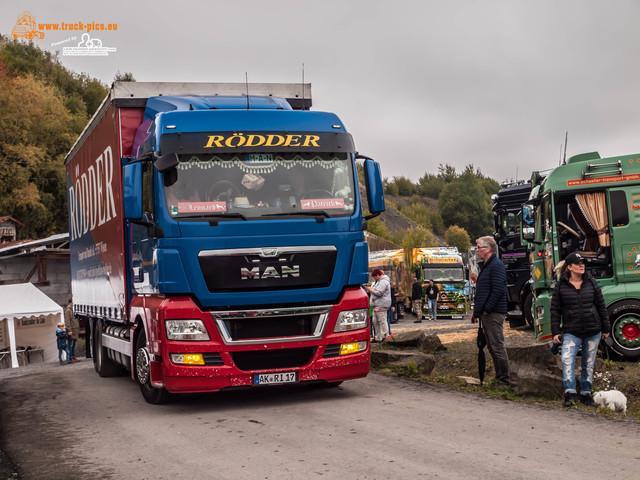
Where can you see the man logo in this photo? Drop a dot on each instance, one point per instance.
(270, 272)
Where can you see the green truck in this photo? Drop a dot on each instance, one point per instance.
(589, 205)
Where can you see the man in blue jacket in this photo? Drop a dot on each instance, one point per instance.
(491, 305)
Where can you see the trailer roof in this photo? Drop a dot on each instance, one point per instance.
(136, 94)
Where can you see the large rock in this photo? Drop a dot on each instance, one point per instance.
(426, 343)
(406, 339)
(423, 362)
(431, 344)
(535, 371)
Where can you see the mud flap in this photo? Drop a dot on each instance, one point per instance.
(155, 368)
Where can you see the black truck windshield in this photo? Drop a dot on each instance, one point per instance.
(444, 274)
(260, 185)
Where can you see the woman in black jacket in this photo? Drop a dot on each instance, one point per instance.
(578, 319)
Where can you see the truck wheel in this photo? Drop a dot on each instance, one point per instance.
(102, 363)
(150, 393)
(527, 309)
(625, 328)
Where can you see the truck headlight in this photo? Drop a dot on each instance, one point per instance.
(186, 330)
(351, 320)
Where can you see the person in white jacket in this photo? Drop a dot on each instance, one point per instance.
(380, 302)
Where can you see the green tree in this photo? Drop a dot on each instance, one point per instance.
(436, 222)
(456, 236)
(390, 188)
(405, 186)
(413, 237)
(37, 132)
(43, 109)
(377, 227)
(124, 77)
(447, 173)
(24, 58)
(419, 213)
(430, 185)
(466, 203)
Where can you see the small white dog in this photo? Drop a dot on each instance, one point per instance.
(613, 399)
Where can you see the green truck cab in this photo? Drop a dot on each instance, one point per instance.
(590, 205)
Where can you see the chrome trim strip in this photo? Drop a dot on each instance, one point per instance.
(322, 311)
(266, 252)
(117, 344)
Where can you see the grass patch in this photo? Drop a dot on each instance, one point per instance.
(461, 360)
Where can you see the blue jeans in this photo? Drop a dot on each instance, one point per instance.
(391, 318)
(570, 346)
(433, 307)
(66, 351)
(72, 347)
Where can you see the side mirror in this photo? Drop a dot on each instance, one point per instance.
(528, 221)
(166, 162)
(375, 190)
(132, 187)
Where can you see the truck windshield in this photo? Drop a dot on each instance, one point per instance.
(261, 185)
(443, 274)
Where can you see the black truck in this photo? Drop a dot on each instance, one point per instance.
(515, 256)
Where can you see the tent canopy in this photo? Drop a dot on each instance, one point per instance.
(25, 300)
(30, 317)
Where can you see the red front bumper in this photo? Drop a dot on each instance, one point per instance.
(324, 364)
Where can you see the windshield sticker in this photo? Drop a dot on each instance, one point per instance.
(199, 207)
(322, 203)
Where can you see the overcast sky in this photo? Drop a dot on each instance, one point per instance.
(418, 83)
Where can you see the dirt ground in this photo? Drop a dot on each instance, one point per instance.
(460, 360)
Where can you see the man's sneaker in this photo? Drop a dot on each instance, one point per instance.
(568, 400)
(417, 321)
(587, 399)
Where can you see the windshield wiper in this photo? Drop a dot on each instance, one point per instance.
(206, 216)
(319, 214)
(315, 213)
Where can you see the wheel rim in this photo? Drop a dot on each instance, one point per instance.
(626, 331)
(143, 365)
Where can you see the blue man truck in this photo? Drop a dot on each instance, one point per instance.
(216, 238)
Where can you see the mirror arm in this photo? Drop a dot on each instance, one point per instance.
(153, 230)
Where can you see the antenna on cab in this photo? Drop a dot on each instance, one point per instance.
(303, 87)
(246, 81)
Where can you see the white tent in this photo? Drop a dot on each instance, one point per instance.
(28, 318)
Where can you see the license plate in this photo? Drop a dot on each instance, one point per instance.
(257, 158)
(275, 378)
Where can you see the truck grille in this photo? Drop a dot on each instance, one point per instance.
(268, 268)
(270, 359)
(272, 325)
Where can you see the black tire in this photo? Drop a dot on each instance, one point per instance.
(527, 306)
(624, 317)
(101, 361)
(323, 384)
(92, 340)
(151, 394)
(333, 384)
